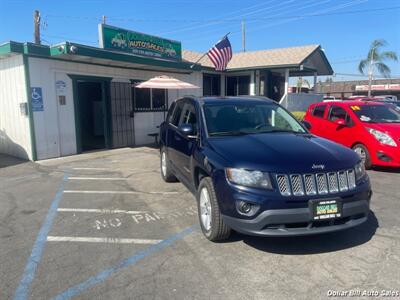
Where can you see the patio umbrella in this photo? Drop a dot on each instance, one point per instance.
(167, 83)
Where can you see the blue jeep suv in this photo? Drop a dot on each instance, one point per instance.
(255, 169)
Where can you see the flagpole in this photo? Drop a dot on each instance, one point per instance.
(201, 57)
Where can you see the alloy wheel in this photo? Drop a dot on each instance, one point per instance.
(164, 164)
(361, 153)
(205, 209)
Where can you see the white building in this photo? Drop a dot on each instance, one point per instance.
(70, 98)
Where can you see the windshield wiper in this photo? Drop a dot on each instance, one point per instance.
(285, 130)
(229, 133)
(390, 121)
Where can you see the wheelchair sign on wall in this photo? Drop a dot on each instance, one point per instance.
(36, 99)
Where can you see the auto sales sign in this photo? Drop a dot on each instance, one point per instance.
(118, 39)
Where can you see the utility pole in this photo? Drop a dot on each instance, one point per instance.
(36, 26)
(243, 36)
(103, 19)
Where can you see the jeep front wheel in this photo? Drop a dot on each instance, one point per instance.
(211, 222)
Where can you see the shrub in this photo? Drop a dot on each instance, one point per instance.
(299, 115)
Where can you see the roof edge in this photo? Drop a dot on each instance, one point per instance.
(324, 58)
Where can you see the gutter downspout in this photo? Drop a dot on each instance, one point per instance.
(30, 111)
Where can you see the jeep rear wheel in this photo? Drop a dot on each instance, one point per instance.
(166, 173)
(211, 222)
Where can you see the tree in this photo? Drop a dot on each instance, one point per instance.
(300, 83)
(375, 62)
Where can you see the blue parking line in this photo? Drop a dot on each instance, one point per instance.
(103, 275)
(37, 250)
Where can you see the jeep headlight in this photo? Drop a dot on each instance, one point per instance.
(382, 137)
(360, 170)
(249, 178)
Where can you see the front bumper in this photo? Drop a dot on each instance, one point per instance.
(385, 156)
(298, 221)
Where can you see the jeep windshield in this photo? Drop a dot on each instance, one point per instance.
(224, 119)
(377, 113)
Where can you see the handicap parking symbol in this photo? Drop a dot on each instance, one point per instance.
(36, 99)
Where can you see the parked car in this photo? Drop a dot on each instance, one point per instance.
(257, 170)
(371, 129)
(329, 98)
(387, 97)
(360, 98)
(390, 102)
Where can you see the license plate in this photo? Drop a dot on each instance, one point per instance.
(326, 209)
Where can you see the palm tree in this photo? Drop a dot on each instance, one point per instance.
(375, 61)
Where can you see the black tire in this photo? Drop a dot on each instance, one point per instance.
(218, 230)
(360, 148)
(166, 174)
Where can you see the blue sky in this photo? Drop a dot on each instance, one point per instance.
(344, 36)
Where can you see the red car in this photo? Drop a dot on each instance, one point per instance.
(371, 129)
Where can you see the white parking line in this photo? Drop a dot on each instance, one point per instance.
(109, 240)
(117, 192)
(96, 178)
(98, 169)
(102, 211)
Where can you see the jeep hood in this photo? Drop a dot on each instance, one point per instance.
(283, 152)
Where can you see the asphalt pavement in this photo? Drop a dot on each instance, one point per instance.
(104, 225)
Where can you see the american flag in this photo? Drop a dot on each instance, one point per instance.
(220, 54)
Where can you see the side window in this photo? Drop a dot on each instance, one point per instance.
(319, 111)
(171, 112)
(189, 116)
(337, 113)
(177, 113)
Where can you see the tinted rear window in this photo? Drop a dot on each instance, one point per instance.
(319, 111)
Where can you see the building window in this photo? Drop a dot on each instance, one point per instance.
(158, 98)
(145, 100)
(211, 85)
(237, 85)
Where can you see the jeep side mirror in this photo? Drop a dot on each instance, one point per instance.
(306, 125)
(186, 129)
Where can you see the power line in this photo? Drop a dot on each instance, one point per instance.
(69, 38)
(219, 21)
(93, 18)
(303, 16)
(274, 15)
(346, 61)
(351, 3)
(366, 76)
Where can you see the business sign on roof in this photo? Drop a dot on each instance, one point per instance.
(118, 39)
(379, 87)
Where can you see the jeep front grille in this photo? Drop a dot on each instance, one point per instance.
(333, 183)
(297, 185)
(351, 177)
(316, 184)
(309, 183)
(283, 184)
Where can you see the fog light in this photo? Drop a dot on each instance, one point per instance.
(245, 207)
(383, 157)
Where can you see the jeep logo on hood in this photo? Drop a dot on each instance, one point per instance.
(321, 167)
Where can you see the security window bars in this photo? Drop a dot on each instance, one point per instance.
(148, 100)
